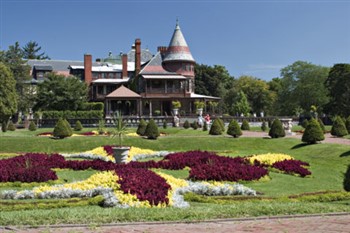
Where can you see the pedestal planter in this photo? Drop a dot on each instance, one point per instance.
(200, 111)
(176, 111)
(120, 154)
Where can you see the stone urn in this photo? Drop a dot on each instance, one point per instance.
(175, 111)
(200, 111)
(120, 154)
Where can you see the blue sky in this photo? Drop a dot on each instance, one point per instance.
(255, 38)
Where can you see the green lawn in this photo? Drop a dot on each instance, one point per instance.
(328, 164)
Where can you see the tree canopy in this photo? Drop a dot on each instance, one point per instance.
(32, 51)
(58, 92)
(8, 94)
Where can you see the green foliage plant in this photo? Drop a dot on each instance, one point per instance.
(186, 124)
(101, 127)
(78, 126)
(152, 131)
(11, 126)
(4, 126)
(245, 125)
(32, 126)
(276, 130)
(68, 127)
(233, 129)
(199, 104)
(61, 130)
(120, 128)
(347, 123)
(304, 123)
(205, 126)
(346, 182)
(165, 124)
(338, 127)
(216, 128)
(320, 122)
(194, 125)
(263, 126)
(222, 124)
(141, 128)
(176, 104)
(313, 132)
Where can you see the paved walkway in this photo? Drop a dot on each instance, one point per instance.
(291, 224)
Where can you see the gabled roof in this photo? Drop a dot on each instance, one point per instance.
(123, 92)
(155, 66)
(178, 49)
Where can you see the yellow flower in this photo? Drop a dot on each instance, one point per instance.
(269, 158)
(137, 151)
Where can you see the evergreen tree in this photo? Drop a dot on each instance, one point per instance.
(304, 123)
(234, 129)
(141, 128)
(347, 124)
(61, 130)
(78, 126)
(276, 130)
(216, 128)
(186, 124)
(11, 126)
(245, 125)
(263, 126)
(152, 131)
(165, 124)
(32, 51)
(4, 126)
(346, 182)
(205, 126)
(32, 126)
(338, 127)
(194, 125)
(70, 130)
(320, 122)
(313, 132)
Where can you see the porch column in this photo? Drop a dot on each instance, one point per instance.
(150, 108)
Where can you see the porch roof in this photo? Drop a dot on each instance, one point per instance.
(111, 81)
(198, 96)
(122, 92)
(162, 76)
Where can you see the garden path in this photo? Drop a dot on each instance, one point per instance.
(296, 224)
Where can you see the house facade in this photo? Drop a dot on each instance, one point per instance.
(137, 83)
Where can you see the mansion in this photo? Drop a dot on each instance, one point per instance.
(135, 83)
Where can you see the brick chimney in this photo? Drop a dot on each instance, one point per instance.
(162, 49)
(88, 68)
(137, 57)
(125, 65)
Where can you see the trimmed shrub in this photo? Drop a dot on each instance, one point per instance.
(11, 126)
(222, 125)
(234, 129)
(78, 126)
(195, 125)
(304, 123)
(215, 128)
(320, 122)
(347, 124)
(165, 124)
(61, 130)
(141, 128)
(313, 132)
(4, 126)
(152, 131)
(276, 130)
(32, 126)
(186, 124)
(205, 126)
(346, 182)
(70, 130)
(245, 125)
(338, 127)
(263, 126)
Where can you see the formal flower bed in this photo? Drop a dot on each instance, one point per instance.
(269, 158)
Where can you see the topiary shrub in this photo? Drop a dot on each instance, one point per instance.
(215, 128)
(4, 126)
(70, 130)
(263, 126)
(165, 124)
(152, 130)
(320, 122)
(186, 124)
(205, 126)
(195, 125)
(313, 132)
(61, 130)
(141, 128)
(346, 182)
(222, 124)
(233, 129)
(11, 126)
(78, 126)
(276, 130)
(32, 126)
(245, 125)
(304, 123)
(338, 127)
(347, 124)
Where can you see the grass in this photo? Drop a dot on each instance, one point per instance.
(328, 164)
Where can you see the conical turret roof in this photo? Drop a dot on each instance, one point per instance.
(178, 49)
